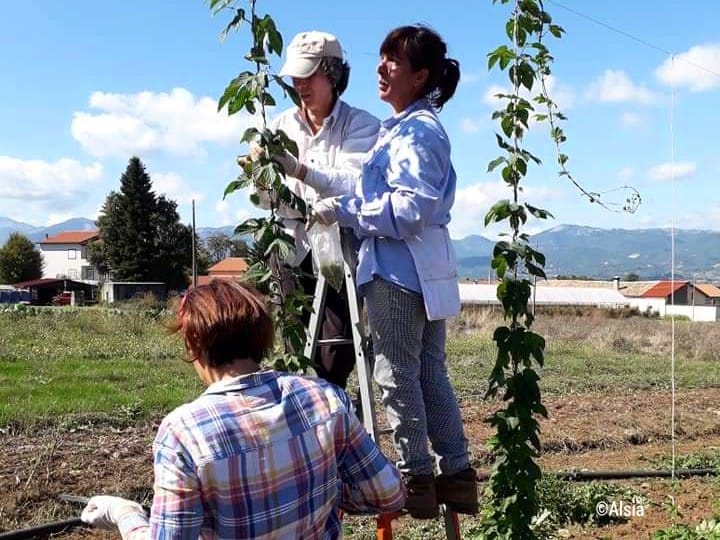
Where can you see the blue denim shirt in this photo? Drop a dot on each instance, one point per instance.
(407, 185)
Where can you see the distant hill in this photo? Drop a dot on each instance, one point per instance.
(570, 250)
(8, 226)
(604, 253)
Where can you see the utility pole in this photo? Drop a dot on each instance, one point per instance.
(194, 258)
(693, 296)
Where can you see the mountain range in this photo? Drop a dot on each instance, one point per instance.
(569, 249)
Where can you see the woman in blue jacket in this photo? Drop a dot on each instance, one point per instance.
(407, 270)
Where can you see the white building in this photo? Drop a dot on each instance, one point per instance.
(542, 295)
(65, 256)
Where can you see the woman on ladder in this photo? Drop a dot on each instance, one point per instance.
(406, 269)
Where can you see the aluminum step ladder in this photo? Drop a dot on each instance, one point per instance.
(360, 341)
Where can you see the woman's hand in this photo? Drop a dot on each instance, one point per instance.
(324, 211)
(104, 511)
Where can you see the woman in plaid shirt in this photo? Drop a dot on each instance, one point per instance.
(260, 454)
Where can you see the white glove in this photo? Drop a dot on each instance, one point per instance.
(324, 211)
(104, 511)
(264, 200)
(288, 162)
(256, 152)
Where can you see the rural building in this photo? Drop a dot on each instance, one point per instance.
(118, 291)
(486, 294)
(43, 290)
(65, 256)
(681, 298)
(11, 295)
(706, 294)
(228, 268)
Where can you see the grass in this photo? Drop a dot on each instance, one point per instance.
(58, 365)
(63, 366)
(124, 366)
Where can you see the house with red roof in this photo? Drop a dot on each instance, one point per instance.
(707, 294)
(673, 292)
(697, 302)
(229, 268)
(65, 256)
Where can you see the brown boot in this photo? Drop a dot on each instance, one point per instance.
(421, 500)
(458, 491)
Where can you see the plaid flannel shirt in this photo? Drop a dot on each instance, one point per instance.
(265, 455)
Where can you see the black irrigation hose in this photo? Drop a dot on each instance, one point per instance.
(42, 531)
(585, 476)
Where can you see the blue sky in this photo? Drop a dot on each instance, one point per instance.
(86, 85)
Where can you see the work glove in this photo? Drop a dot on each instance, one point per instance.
(105, 511)
(324, 211)
(289, 163)
(256, 152)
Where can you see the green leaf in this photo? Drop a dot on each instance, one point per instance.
(495, 162)
(234, 24)
(249, 226)
(556, 30)
(233, 186)
(498, 211)
(275, 41)
(218, 5)
(539, 213)
(249, 135)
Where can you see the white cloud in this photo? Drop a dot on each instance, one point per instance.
(468, 125)
(174, 187)
(615, 86)
(38, 180)
(147, 122)
(473, 202)
(626, 173)
(685, 71)
(232, 214)
(42, 188)
(668, 171)
(631, 119)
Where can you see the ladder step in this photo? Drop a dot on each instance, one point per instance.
(334, 341)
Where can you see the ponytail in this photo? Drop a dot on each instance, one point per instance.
(447, 84)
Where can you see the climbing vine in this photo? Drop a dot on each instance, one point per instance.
(511, 496)
(250, 91)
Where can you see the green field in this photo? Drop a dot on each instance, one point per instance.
(60, 365)
(63, 368)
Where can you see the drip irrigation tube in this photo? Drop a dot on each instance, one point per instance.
(584, 476)
(42, 531)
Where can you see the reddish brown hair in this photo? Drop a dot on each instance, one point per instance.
(225, 321)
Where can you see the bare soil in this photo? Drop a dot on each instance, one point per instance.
(589, 432)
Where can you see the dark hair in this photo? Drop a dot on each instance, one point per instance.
(338, 71)
(425, 49)
(225, 321)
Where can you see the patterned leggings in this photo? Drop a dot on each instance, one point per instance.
(410, 368)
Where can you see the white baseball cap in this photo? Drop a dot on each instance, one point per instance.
(306, 50)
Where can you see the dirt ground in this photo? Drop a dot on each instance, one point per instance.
(584, 432)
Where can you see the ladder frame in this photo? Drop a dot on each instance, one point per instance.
(360, 341)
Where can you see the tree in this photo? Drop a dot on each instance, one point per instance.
(142, 237)
(19, 260)
(219, 246)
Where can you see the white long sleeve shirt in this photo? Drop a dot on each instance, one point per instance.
(333, 157)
